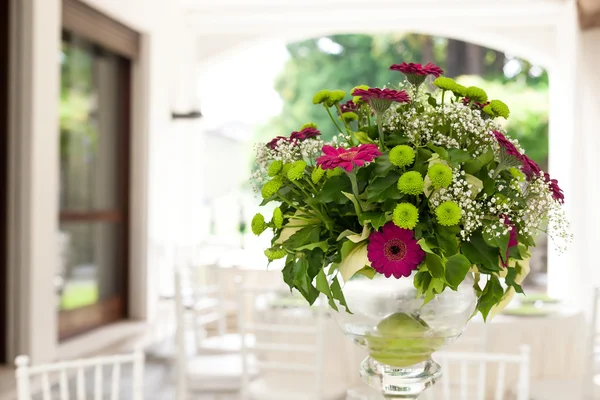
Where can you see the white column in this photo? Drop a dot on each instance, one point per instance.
(565, 272)
(34, 178)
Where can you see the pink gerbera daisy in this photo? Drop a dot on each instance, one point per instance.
(530, 167)
(275, 142)
(347, 158)
(416, 73)
(381, 99)
(394, 251)
(513, 236)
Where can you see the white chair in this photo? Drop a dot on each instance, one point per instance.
(282, 375)
(197, 372)
(36, 379)
(457, 381)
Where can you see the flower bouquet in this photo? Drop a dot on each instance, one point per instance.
(420, 211)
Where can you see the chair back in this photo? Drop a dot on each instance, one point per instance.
(460, 383)
(50, 378)
(283, 347)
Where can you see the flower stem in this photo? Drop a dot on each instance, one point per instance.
(379, 118)
(354, 183)
(332, 119)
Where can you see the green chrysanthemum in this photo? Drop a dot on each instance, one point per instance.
(334, 172)
(488, 110)
(411, 183)
(406, 216)
(309, 125)
(440, 175)
(277, 219)
(500, 108)
(445, 83)
(335, 96)
(476, 94)
(275, 253)
(402, 155)
(258, 224)
(459, 90)
(271, 187)
(275, 168)
(321, 96)
(285, 169)
(349, 116)
(296, 171)
(448, 213)
(317, 174)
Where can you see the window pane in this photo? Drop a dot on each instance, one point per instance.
(90, 120)
(92, 263)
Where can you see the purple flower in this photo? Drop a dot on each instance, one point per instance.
(510, 148)
(418, 69)
(275, 141)
(557, 193)
(305, 133)
(530, 167)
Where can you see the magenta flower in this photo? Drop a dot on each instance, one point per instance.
(416, 73)
(381, 99)
(418, 69)
(510, 148)
(349, 106)
(557, 193)
(394, 251)
(530, 167)
(275, 141)
(347, 158)
(474, 105)
(305, 133)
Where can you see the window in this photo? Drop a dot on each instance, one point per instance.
(94, 184)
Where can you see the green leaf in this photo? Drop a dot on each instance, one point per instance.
(474, 166)
(384, 188)
(426, 247)
(301, 280)
(432, 101)
(421, 282)
(458, 156)
(437, 285)
(457, 268)
(354, 201)
(478, 252)
(435, 265)
(369, 272)
(323, 287)
(354, 260)
(382, 166)
(511, 275)
(377, 219)
(396, 139)
(331, 192)
(442, 152)
(321, 245)
(492, 294)
(500, 241)
(476, 184)
(304, 236)
(447, 240)
(288, 272)
(362, 137)
(336, 290)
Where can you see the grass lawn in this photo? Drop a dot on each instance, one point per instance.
(79, 294)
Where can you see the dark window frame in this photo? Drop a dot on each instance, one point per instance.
(84, 21)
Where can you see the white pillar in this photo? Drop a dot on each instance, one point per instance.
(34, 178)
(565, 271)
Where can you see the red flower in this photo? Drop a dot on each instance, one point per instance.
(347, 158)
(394, 251)
(418, 69)
(382, 94)
(530, 167)
(275, 141)
(475, 105)
(557, 192)
(381, 99)
(510, 148)
(349, 106)
(305, 133)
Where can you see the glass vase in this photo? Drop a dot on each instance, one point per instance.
(400, 332)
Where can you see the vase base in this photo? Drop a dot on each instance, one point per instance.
(400, 382)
